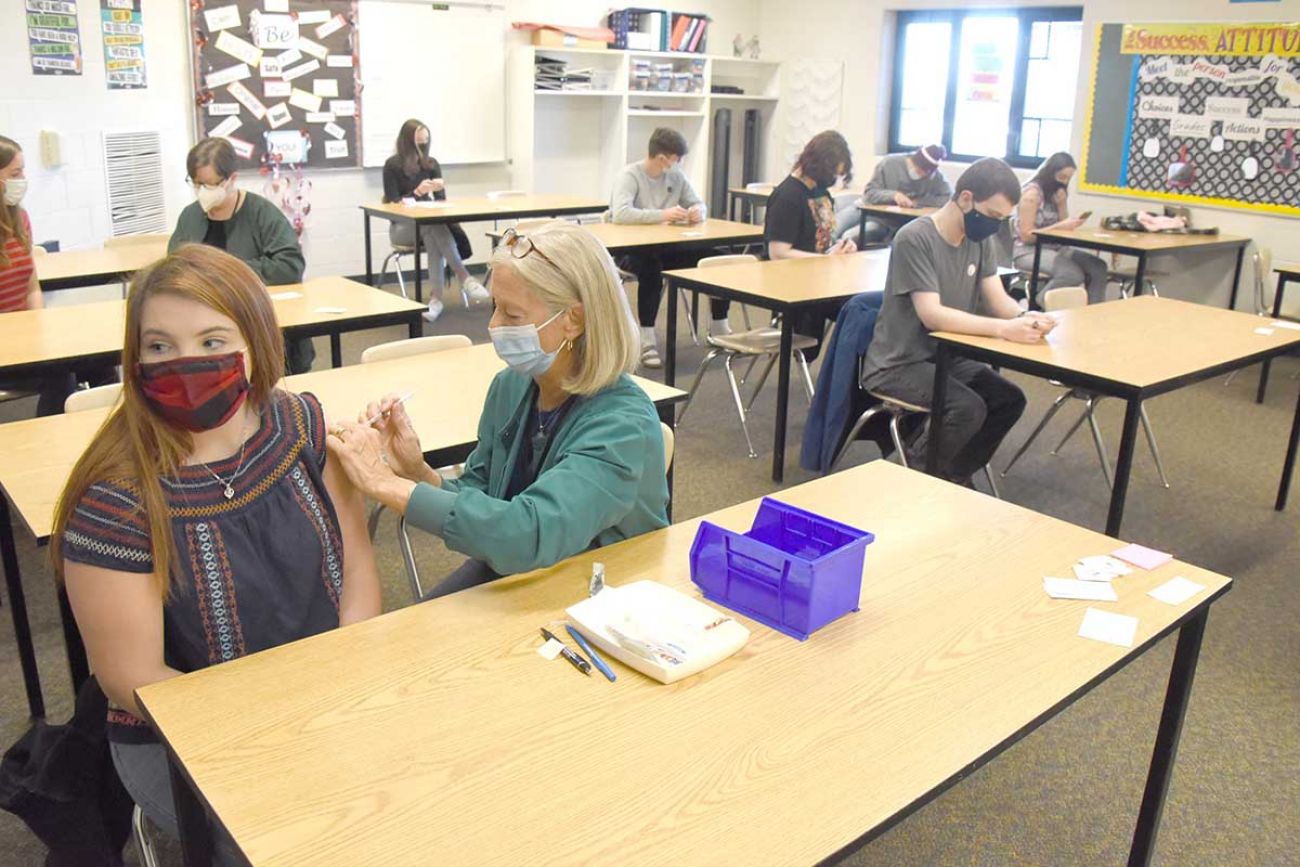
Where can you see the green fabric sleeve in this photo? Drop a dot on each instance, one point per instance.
(278, 258)
(428, 507)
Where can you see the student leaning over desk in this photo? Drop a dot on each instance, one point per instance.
(570, 453)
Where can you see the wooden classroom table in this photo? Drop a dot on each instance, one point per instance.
(703, 235)
(65, 337)
(435, 734)
(1138, 244)
(468, 209)
(1285, 274)
(785, 287)
(752, 198)
(894, 215)
(74, 268)
(37, 455)
(1133, 350)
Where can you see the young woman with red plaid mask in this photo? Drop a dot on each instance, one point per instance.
(204, 521)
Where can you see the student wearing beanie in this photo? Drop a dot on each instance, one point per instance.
(911, 180)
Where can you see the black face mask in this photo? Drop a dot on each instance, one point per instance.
(980, 226)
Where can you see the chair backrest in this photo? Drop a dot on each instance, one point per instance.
(732, 259)
(127, 240)
(1064, 298)
(669, 444)
(1263, 260)
(92, 398)
(38, 251)
(414, 346)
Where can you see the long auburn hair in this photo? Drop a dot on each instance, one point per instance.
(11, 216)
(136, 448)
(414, 158)
(823, 155)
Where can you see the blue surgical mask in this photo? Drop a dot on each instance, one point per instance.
(980, 226)
(520, 347)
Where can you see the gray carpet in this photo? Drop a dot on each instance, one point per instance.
(1067, 794)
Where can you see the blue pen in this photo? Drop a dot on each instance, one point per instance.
(586, 648)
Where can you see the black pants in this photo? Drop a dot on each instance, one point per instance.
(299, 354)
(981, 408)
(649, 269)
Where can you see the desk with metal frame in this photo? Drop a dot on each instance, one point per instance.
(895, 215)
(1285, 274)
(71, 269)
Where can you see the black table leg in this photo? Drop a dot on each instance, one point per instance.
(938, 397)
(78, 667)
(695, 316)
(413, 328)
(731, 207)
(370, 265)
(419, 295)
(862, 229)
(18, 611)
(782, 396)
(1123, 465)
(1166, 748)
(336, 349)
(1033, 277)
(1288, 466)
(667, 415)
(670, 345)
(192, 819)
(1140, 275)
(1236, 278)
(1268, 362)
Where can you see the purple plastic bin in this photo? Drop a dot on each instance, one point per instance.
(793, 570)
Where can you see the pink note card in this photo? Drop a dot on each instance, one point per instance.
(1142, 556)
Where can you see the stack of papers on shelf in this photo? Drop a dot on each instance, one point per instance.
(552, 74)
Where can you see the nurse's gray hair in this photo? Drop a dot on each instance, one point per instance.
(574, 268)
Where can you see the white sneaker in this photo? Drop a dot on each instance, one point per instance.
(650, 356)
(477, 292)
(434, 311)
(720, 327)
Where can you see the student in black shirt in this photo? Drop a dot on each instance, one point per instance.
(412, 174)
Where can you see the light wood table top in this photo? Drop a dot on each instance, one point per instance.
(436, 735)
(757, 194)
(36, 455)
(792, 282)
(489, 208)
(896, 211)
(1141, 343)
(1149, 242)
(711, 232)
(84, 267)
(52, 334)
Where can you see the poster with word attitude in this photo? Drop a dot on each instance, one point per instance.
(53, 37)
(123, 34)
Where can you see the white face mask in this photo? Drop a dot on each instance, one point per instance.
(15, 189)
(520, 347)
(211, 197)
(913, 173)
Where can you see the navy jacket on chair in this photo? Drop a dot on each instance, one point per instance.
(837, 382)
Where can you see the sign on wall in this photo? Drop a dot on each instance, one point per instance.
(123, 33)
(53, 37)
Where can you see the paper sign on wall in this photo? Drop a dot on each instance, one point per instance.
(122, 31)
(290, 145)
(319, 117)
(222, 109)
(243, 149)
(335, 130)
(270, 67)
(304, 100)
(289, 58)
(339, 61)
(275, 6)
(226, 127)
(222, 17)
(276, 89)
(1226, 107)
(1158, 106)
(1245, 129)
(314, 16)
(54, 37)
(336, 150)
(247, 99)
(325, 87)
(315, 49)
(1190, 126)
(301, 69)
(238, 72)
(343, 107)
(278, 115)
(240, 49)
(273, 32)
(334, 25)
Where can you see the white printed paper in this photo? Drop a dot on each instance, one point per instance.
(332, 26)
(288, 58)
(343, 107)
(550, 649)
(1190, 126)
(240, 49)
(270, 66)
(314, 16)
(1264, 332)
(339, 61)
(247, 99)
(222, 109)
(273, 32)
(1290, 326)
(285, 296)
(237, 72)
(1244, 129)
(1176, 591)
(319, 117)
(1117, 629)
(276, 89)
(315, 49)
(335, 130)
(226, 127)
(278, 115)
(325, 87)
(301, 69)
(335, 150)
(1227, 107)
(1158, 106)
(290, 145)
(275, 5)
(222, 17)
(1068, 588)
(304, 100)
(243, 149)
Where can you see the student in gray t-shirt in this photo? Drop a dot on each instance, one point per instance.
(942, 270)
(911, 180)
(656, 190)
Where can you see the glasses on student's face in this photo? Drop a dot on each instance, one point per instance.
(521, 246)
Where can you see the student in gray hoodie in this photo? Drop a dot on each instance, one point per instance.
(911, 180)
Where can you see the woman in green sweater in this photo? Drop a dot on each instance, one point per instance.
(243, 224)
(570, 454)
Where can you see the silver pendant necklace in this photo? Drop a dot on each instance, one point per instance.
(229, 485)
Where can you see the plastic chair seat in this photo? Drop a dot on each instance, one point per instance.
(760, 341)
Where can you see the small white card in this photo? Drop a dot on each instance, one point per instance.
(275, 5)
(222, 109)
(245, 96)
(335, 130)
(226, 127)
(340, 61)
(1068, 588)
(335, 150)
(332, 26)
(315, 49)
(319, 117)
(304, 100)
(550, 649)
(225, 76)
(222, 17)
(325, 87)
(1176, 591)
(270, 67)
(1100, 568)
(1117, 629)
(300, 70)
(1265, 332)
(237, 48)
(288, 58)
(1291, 326)
(244, 149)
(331, 311)
(285, 296)
(278, 115)
(315, 16)
(692, 234)
(343, 107)
(276, 89)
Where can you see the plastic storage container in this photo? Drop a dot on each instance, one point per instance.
(793, 570)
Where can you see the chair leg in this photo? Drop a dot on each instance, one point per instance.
(401, 281)
(896, 435)
(740, 405)
(807, 377)
(762, 380)
(148, 856)
(408, 560)
(691, 325)
(373, 523)
(1047, 416)
(1074, 427)
(749, 369)
(1091, 416)
(695, 383)
(1151, 441)
(993, 486)
(853, 433)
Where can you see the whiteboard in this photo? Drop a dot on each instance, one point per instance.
(446, 67)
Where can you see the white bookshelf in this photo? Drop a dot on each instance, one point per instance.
(576, 141)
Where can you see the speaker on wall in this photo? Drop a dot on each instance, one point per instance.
(720, 160)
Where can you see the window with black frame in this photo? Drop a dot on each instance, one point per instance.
(987, 82)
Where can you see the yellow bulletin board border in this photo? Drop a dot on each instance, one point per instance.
(1271, 209)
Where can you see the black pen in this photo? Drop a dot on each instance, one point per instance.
(574, 659)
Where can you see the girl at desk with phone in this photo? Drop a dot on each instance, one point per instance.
(570, 454)
(1044, 205)
(411, 173)
(204, 521)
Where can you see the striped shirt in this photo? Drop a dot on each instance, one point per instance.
(15, 278)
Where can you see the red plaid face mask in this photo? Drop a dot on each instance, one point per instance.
(196, 394)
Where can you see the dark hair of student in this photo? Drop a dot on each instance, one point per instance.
(987, 178)
(667, 141)
(215, 152)
(823, 156)
(414, 157)
(1045, 177)
(11, 220)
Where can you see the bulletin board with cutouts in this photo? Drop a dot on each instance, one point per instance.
(280, 79)
(1204, 114)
